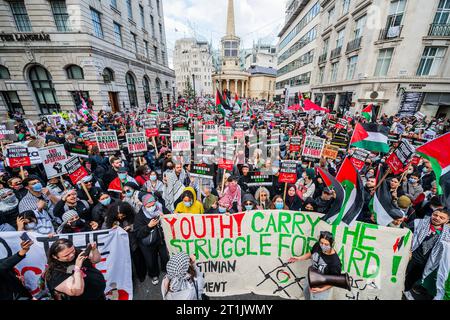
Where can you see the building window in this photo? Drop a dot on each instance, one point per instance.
(20, 14)
(141, 12)
(396, 11)
(97, 22)
(130, 10)
(231, 49)
(359, 27)
(334, 71)
(60, 15)
(4, 73)
(158, 8)
(352, 62)
(118, 35)
(340, 38)
(163, 56)
(133, 36)
(152, 22)
(330, 16)
(74, 72)
(161, 33)
(12, 102)
(443, 13)
(321, 74)
(155, 49)
(77, 95)
(131, 87)
(345, 6)
(146, 86)
(45, 94)
(146, 48)
(108, 75)
(383, 62)
(431, 61)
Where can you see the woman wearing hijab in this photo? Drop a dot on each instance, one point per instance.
(183, 281)
(293, 201)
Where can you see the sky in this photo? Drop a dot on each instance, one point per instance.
(206, 20)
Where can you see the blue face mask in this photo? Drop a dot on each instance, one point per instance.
(425, 170)
(188, 204)
(129, 194)
(248, 208)
(122, 176)
(105, 202)
(153, 178)
(222, 210)
(37, 187)
(279, 205)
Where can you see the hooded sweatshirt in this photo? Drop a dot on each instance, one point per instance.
(195, 208)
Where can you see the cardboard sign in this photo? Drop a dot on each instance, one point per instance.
(359, 158)
(136, 142)
(399, 159)
(225, 134)
(89, 139)
(151, 128)
(75, 170)
(18, 156)
(296, 144)
(313, 147)
(31, 127)
(164, 129)
(341, 124)
(53, 159)
(259, 179)
(107, 141)
(202, 170)
(330, 152)
(78, 150)
(210, 135)
(7, 131)
(181, 141)
(288, 172)
(226, 164)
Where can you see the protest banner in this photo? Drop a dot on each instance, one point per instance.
(78, 150)
(248, 252)
(53, 159)
(7, 131)
(31, 127)
(107, 141)
(429, 134)
(313, 147)
(202, 170)
(136, 142)
(399, 160)
(181, 140)
(113, 245)
(17, 156)
(359, 157)
(75, 170)
(330, 152)
(295, 144)
(259, 179)
(288, 171)
(239, 130)
(151, 128)
(225, 134)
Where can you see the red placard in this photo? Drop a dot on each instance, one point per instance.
(149, 133)
(226, 164)
(399, 160)
(415, 161)
(19, 162)
(290, 178)
(78, 174)
(239, 134)
(395, 164)
(18, 156)
(359, 164)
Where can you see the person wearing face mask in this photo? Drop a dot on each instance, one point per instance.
(153, 184)
(278, 203)
(249, 202)
(324, 260)
(35, 221)
(116, 186)
(189, 203)
(100, 210)
(72, 223)
(36, 194)
(150, 237)
(412, 186)
(132, 195)
(8, 210)
(70, 201)
(16, 185)
(427, 176)
(223, 207)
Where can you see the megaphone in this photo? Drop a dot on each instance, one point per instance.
(317, 279)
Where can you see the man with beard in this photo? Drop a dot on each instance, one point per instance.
(8, 210)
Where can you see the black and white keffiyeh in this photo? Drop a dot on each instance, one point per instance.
(177, 269)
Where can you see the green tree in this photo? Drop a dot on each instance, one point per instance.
(189, 91)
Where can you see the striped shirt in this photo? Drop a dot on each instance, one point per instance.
(30, 202)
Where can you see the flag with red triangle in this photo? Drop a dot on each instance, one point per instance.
(370, 136)
(332, 184)
(369, 113)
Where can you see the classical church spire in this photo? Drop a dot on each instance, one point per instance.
(230, 19)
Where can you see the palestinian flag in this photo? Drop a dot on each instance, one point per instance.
(381, 205)
(369, 113)
(351, 182)
(437, 151)
(333, 184)
(221, 105)
(370, 136)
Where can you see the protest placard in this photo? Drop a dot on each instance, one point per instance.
(295, 144)
(313, 147)
(7, 131)
(136, 142)
(248, 252)
(75, 170)
(164, 128)
(181, 141)
(288, 172)
(89, 139)
(210, 135)
(78, 150)
(330, 152)
(399, 160)
(202, 170)
(359, 157)
(259, 179)
(31, 127)
(151, 127)
(53, 159)
(17, 156)
(341, 123)
(107, 141)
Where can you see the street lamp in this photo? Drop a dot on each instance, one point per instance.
(173, 90)
(193, 81)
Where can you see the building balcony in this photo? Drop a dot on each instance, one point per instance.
(353, 45)
(322, 58)
(335, 53)
(390, 33)
(439, 30)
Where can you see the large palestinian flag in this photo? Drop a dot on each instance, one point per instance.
(381, 205)
(333, 184)
(369, 113)
(370, 136)
(350, 180)
(437, 151)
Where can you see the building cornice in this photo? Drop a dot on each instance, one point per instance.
(294, 16)
(361, 6)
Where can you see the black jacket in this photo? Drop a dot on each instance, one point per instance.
(82, 208)
(295, 204)
(11, 288)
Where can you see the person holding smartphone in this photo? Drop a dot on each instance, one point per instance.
(11, 287)
(70, 273)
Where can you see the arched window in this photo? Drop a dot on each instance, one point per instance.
(42, 84)
(4, 72)
(167, 85)
(146, 85)
(158, 91)
(108, 75)
(131, 87)
(74, 72)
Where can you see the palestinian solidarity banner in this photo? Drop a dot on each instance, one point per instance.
(53, 159)
(107, 141)
(115, 264)
(75, 170)
(313, 147)
(248, 252)
(136, 142)
(18, 156)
